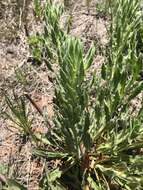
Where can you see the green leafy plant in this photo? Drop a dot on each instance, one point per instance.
(19, 114)
(38, 8)
(99, 144)
(7, 183)
(11, 184)
(44, 46)
(97, 136)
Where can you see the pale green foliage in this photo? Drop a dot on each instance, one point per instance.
(107, 131)
(19, 113)
(13, 185)
(95, 136)
(71, 98)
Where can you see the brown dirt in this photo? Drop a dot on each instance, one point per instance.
(14, 52)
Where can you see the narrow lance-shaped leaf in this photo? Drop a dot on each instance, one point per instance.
(89, 57)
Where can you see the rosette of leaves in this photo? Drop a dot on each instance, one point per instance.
(97, 136)
(100, 146)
